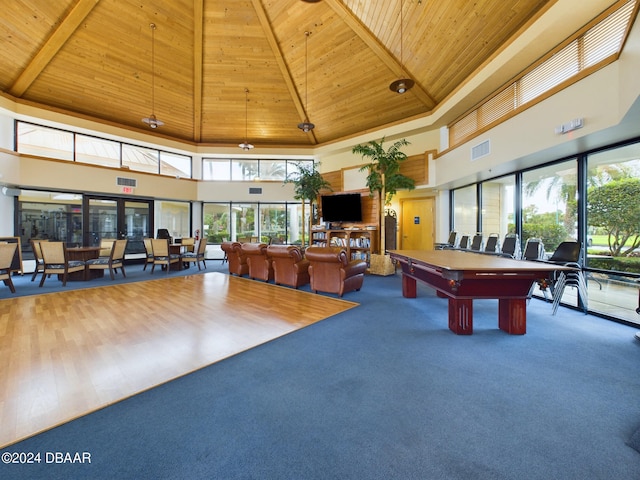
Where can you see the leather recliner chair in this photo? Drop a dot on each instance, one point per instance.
(236, 258)
(289, 266)
(331, 271)
(259, 262)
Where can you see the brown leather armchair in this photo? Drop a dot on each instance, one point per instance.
(236, 258)
(259, 262)
(331, 271)
(289, 266)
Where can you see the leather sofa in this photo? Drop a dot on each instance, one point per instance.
(236, 258)
(289, 266)
(259, 262)
(331, 271)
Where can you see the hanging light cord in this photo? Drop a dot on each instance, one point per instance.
(306, 76)
(306, 126)
(153, 68)
(401, 35)
(246, 115)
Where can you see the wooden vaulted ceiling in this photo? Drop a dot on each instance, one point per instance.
(92, 58)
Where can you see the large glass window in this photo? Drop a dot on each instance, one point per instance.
(64, 145)
(549, 207)
(613, 212)
(273, 223)
(175, 217)
(246, 169)
(273, 169)
(465, 211)
(54, 216)
(216, 169)
(613, 231)
(44, 142)
(294, 224)
(175, 165)
(97, 151)
(103, 220)
(498, 206)
(265, 222)
(140, 159)
(244, 220)
(216, 222)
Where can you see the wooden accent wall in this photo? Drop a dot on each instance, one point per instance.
(335, 179)
(417, 168)
(370, 211)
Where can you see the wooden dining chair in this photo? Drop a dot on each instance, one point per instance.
(148, 247)
(161, 254)
(189, 243)
(197, 256)
(7, 251)
(56, 261)
(37, 255)
(113, 262)
(106, 245)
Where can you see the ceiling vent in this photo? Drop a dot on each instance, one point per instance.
(126, 182)
(481, 150)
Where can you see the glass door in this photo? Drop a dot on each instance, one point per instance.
(117, 218)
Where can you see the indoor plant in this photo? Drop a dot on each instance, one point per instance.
(385, 179)
(307, 184)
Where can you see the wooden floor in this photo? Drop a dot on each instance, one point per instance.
(66, 354)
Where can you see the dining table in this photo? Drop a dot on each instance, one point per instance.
(83, 254)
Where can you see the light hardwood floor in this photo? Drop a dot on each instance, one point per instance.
(69, 353)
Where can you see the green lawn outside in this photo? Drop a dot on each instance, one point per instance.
(603, 240)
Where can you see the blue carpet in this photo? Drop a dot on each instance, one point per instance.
(382, 391)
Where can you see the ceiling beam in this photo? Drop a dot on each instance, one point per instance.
(379, 49)
(51, 47)
(198, 49)
(286, 74)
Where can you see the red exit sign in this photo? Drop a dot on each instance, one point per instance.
(127, 189)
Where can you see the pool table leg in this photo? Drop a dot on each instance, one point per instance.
(461, 316)
(409, 287)
(512, 315)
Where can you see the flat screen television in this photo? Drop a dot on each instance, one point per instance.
(343, 207)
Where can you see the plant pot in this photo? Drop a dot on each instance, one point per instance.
(381, 265)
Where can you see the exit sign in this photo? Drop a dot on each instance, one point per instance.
(127, 189)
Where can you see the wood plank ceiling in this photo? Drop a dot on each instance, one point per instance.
(93, 58)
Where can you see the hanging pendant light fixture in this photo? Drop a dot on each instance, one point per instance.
(306, 126)
(246, 146)
(152, 120)
(403, 84)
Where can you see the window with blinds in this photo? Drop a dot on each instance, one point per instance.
(560, 69)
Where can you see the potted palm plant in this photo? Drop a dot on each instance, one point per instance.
(308, 183)
(385, 179)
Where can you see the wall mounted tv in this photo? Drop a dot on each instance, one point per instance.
(343, 207)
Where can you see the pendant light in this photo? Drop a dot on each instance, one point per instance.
(403, 84)
(152, 120)
(306, 126)
(246, 146)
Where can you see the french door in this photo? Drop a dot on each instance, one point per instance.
(117, 218)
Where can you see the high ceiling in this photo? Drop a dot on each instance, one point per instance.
(93, 58)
